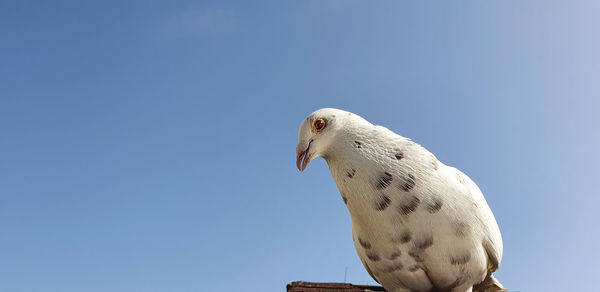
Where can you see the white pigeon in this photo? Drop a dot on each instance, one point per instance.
(417, 224)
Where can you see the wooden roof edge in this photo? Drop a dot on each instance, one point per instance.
(333, 285)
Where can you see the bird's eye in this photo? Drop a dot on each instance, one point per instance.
(319, 124)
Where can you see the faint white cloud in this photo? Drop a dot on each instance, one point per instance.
(197, 22)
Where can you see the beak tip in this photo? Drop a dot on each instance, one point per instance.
(303, 157)
(300, 164)
(302, 161)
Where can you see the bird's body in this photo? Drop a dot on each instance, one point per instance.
(417, 224)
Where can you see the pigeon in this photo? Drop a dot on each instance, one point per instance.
(417, 224)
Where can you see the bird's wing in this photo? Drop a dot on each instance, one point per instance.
(492, 243)
(491, 251)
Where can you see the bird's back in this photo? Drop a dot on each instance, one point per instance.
(416, 222)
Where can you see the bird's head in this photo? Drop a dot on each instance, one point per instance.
(318, 132)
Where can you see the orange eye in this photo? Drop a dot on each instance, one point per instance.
(319, 124)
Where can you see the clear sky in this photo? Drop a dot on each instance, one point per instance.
(150, 145)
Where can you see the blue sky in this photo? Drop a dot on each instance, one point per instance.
(150, 146)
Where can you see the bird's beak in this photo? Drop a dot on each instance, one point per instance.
(303, 156)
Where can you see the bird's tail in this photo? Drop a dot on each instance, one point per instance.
(489, 284)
